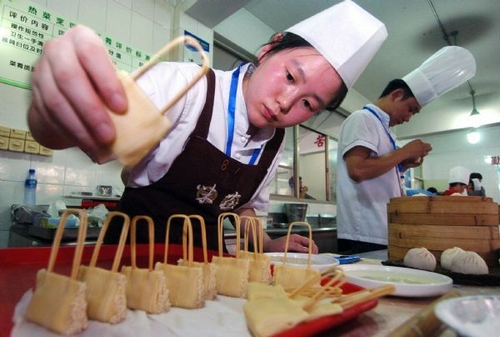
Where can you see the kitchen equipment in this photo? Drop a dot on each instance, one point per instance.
(295, 212)
(441, 222)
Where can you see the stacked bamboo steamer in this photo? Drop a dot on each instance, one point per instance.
(441, 222)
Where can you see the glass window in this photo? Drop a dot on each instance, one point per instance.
(313, 155)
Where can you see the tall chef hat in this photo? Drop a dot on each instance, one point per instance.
(346, 35)
(459, 174)
(445, 70)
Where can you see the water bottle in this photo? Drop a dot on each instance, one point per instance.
(30, 188)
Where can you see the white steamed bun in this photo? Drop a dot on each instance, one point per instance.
(469, 263)
(448, 255)
(420, 258)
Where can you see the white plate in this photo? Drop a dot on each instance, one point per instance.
(408, 282)
(471, 315)
(319, 262)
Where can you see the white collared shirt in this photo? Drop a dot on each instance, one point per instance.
(161, 83)
(362, 206)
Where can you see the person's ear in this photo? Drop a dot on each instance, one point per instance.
(268, 46)
(397, 94)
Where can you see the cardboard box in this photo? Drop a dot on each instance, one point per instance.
(31, 146)
(16, 145)
(4, 143)
(17, 134)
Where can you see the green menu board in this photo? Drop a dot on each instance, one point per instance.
(25, 28)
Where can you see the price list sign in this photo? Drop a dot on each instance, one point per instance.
(26, 27)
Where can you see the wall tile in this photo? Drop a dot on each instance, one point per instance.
(125, 3)
(66, 8)
(145, 8)
(118, 22)
(163, 13)
(89, 16)
(161, 36)
(141, 33)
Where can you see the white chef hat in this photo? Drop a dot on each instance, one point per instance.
(445, 70)
(477, 184)
(459, 174)
(346, 35)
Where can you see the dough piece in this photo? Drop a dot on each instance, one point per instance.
(420, 258)
(469, 263)
(58, 303)
(260, 267)
(258, 290)
(231, 276)
(153, 296)
(185, 285)
(268, 316)
(106, 294)
(448, 255)
(293, 277)
(209, 277)
(322, 308)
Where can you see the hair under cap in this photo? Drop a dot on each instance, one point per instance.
(346, 35)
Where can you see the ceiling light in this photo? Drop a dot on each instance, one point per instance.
(473, 137)
(475, 117)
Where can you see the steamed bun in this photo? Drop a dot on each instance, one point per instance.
(420, 258)
(469, 263)
(448, 255)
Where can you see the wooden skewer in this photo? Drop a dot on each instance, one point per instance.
(365, 295)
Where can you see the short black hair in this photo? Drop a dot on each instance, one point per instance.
(475, 175)
(432, 190)
(290, 41)
(397, 84)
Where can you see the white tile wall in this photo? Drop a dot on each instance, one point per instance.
(149, 22)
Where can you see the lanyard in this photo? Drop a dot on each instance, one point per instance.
(231, 115)
(393, 141)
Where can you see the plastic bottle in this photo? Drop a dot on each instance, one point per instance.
(30, 188)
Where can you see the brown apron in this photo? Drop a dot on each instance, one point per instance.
(202, 180)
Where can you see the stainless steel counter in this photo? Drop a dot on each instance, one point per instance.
(324, 237)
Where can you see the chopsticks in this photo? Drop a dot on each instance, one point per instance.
(332, 289)
(364, 295)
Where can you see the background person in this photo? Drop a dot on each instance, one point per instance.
(302, 189)
(458, 180)
(370, 165)
(476, 187)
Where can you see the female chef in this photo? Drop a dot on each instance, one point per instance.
(227, 132)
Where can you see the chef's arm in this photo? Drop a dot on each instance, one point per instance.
(361, 166)
(297, 242)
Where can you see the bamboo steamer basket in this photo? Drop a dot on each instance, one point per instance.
(441, 222)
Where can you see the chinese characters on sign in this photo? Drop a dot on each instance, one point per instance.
(25, 28)
(320, 141)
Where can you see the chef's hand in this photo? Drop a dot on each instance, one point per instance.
(412, 162)
(417, 149)
(73, 82)
(297, 243)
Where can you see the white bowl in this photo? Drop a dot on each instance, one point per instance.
(408, 282)
(472, 316)
(319, 262)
